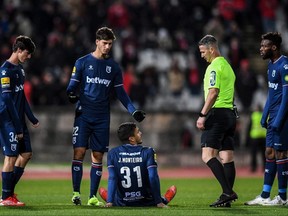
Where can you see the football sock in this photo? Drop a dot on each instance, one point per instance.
(218, 171)
(95, 177)
(282, 177)
(230, 172)
(7, 184)
(269, 176)
(77, 173)
(18, 172)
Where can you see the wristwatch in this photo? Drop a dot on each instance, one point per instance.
(202, 115)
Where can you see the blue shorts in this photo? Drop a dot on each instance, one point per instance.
(277, 139)
(10, 145)
(91, 133)
(8, 139)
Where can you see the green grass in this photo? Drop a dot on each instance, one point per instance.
(53, 197)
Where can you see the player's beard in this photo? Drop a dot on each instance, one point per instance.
(268, 54)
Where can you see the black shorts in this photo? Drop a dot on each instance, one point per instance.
(219, 129)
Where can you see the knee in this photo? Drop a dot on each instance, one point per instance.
(79, 154)
(270, 153)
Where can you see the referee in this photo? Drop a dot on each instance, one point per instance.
(217, 119)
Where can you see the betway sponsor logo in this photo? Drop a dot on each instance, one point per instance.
(273, 85)
(98, 80)
(19, 88)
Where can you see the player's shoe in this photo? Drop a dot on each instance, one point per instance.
(170, 193)
(76, 199)
(103, 193)
(224, 199)
(276, 201)
(93, 201)
(11, 201)
(258, 201)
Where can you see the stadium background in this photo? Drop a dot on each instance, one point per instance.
(157, 48)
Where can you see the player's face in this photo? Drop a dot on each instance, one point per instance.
(266, 50)
(138, 135)
(23, 55)
(205, 52)
(104, 46)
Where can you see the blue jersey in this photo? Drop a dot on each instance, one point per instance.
(95, 80)
(277, 80)
(131, 183)
(276, 107)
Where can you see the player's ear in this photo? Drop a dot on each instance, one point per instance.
(274, 47)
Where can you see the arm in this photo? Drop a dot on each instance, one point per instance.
(282, 112)
(7, 98)
(112, 184)
(265, 113)
(210, 100)
(138, 115)
(155, 184)
(30, 115)
(74, 83)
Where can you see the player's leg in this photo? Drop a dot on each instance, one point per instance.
(80, 136)
(25, 154)
(10, 146)
(270, 169)
(99, 142)
(281, 162)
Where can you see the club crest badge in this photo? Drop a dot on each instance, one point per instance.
(108, 69)
(13, 147)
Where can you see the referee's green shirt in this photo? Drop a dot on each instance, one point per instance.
(219, 74)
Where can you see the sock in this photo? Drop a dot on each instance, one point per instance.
(18, 172)
(218, 171)
(282, 177)
(7, 184)
(77, 173)
(269, 176)
(95, 177)
(230, 172)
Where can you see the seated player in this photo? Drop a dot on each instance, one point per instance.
(133, 176)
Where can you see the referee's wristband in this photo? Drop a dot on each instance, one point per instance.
(202, 115)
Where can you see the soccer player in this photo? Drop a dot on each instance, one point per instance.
(133, 177)
(14, 134)
(217, 119)
(275, 119)
(95, 76)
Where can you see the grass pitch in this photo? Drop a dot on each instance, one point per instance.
(53, 198)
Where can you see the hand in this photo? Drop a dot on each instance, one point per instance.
(162, 205)
(109, 205)
(263, 123)
(20, 136)
(139, 115)
(36, 125)
(73, 98)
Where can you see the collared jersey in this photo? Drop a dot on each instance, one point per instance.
(95, 79)
(277, 79)
(219, 74)
(130, 164)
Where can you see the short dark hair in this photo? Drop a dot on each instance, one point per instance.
(105, 33)
(274, 37)
(125, 131)
(207, 40)
(24, 43)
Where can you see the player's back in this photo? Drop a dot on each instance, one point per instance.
(131, 164)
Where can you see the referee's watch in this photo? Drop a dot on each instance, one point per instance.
(202, 115)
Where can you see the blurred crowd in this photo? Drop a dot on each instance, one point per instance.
(156, 44)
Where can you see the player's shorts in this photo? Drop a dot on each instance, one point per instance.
(25, 143)
(135, 203)
(91, 133)
(277, 139)
(219, 129)
(8, 139)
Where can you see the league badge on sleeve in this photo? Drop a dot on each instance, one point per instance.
(5, 82)
(212, 78)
